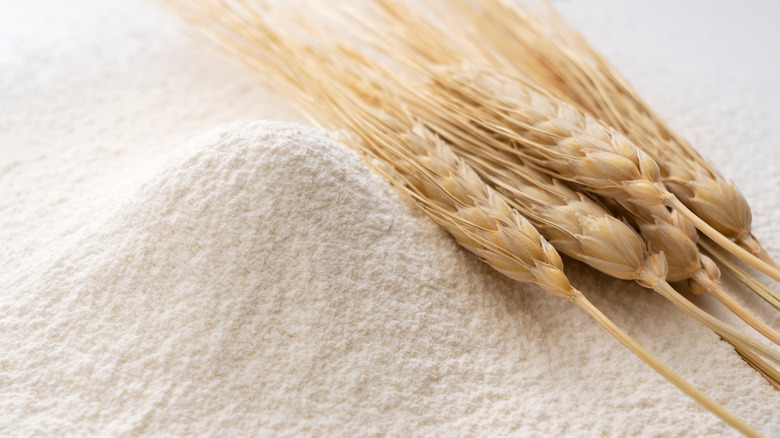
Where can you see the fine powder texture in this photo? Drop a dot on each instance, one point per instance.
(345, 312)
(262, 280)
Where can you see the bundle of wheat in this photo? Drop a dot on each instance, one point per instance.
(536, 42)
(329, 83)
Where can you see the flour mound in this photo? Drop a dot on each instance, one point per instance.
(254, 282)
(264, 281)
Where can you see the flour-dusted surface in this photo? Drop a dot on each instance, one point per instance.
(262, 280)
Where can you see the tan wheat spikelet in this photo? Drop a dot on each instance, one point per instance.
(487, 225)
(666, 231)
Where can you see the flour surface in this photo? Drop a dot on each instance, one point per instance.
(260, 280)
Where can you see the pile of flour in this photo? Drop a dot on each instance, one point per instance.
(263, 279)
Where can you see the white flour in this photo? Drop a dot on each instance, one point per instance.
(262, 280)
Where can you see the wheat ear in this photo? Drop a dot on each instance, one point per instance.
(538, 42)
(573, 223)
(568, 143)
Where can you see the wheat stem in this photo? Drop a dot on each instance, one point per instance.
(713, 323)
(663, 370)
(761, 327)
(740, 274)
